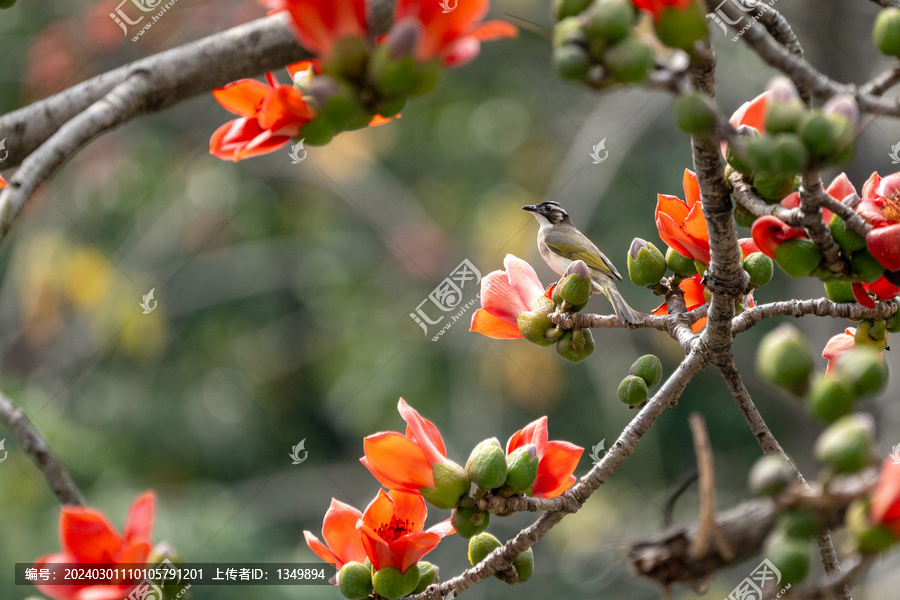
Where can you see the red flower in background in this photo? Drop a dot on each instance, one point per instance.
(557, 459)
(838, 345)
(2, 182)
(693, 297)
(880, 207)
(271, 114)
(392, 530)
(504, 296)
(86, 536)
(405, 462)
(320, 23)
(455, 37)
(681, 223)
(886, 497)
(656, 7)
(752, 113)
(339, 531)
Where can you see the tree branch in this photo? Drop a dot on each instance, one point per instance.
(820, 307)
(811, 194)
(38, 449)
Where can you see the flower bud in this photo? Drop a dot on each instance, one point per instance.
(789, 155)
(522, 468)
(862, 368)
(760, 268)
(839, 291)
(646, 264)
(866, 266)
(486, 466)
(575, 286)
(785, 108)
(842, 106)
(791, 556)
(524, 565)
(871, 333)
(629, 60)
(561, 9)
(480, 546)
(680, 264)
(681, 28)
(831, 398)
(318, 132)
(402, 38)
(799, 523)
(467, 522)
(739, 158)
(429, 73)
(782, 91)
(568, 32)
(694, 114)
(392, 584)
(575, 346)
(610, 20)
(572, 62)
(770, 476)
(868, 536)
(785, 359)
(847, 239)
(633, 390)
(348, 59)
(818, 135)
(355, 581)
(319, 90)
(450, 484)
(772, 186)
(846, 446)
(648, 368)
(798, 257)
(398, 77)
(428, 574)
(536, 324)
(886, 31)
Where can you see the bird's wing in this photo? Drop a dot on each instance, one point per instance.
(580, 248)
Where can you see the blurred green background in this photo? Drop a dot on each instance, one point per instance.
(285, 292)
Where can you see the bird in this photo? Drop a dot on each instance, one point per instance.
(560, 243)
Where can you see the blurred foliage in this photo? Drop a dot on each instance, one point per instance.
(285, 294)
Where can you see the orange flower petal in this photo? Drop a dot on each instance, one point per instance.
(424, 433)
(555, 469)
(886, 497)
(488, 325)
(673, 206)
(752, 113)
(533, 433)
(397, 461)
(340, 533)
(494, 30)
(691, 188)
(320, 549)
(243, 97)
(139, 522)
(87, 535)
(670, 232)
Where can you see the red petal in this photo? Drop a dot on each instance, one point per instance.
(244, 97)
(884, 244)
(321, 550)
(769, 232)
(862, 295)
(264, 143)
(424, 433)
(284, 111)
(748, 246)
(488, 325)
(523, 280)
(673, 206)
(139, 522)
(871, 185)
(886, 498)
(837, 345)
(533, 433)
(380, 511)
(410, 508)
(884, 289)
(231, 137)
(693, 292)
(304, 65)
(670, 232)
(555, 469)
(752, 113)
(397, 461)
(340, 533)
(57, 592)
(378, 550)
(86, 534)
(320, 23)
(494, 30)
(841, 187)
(410, 548)
(691, 188)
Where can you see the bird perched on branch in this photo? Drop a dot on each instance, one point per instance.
(560, 243)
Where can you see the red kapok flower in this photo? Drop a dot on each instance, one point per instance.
(885, 508)
(391, 530)
(504, 296)
(693, 297)
(769, 232)
(452, 37)
(838, 345)
(752, 113)
(681, 223)
(343, 543)
(405, 462)
(271, 114)
(87, 536)
(557, 459)
(880, 206)
(656, 7)
(320, 23)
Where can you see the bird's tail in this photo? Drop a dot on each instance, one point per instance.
(625, 313)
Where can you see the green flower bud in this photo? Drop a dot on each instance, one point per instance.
(317, 132)
(886, 31)
(428, 574)
(772, 186)
(575, 346)
(817, 134)
(633, 390)
(575, 286)
(429, 74)
(536, 325)
(798, 257)
(868, 536)
(839, 291)
(450, 484)
(843, 114)
(522, 468)
(572, 62)
(397, 77)
(355, 581)
(791, 556)
(468, 522)
(862, 368)
(784, 117)
(349, 57)
(392, 584)
(866, 266)
(560, 9)
(830, 398)
(486, 466)
(770, 476)
(846, 446)
(759, 152)
(847, 239)
(648, 368)
(480, 546)
(871, 333)
(646, 264)
(694, 114)
(681, 28)
(789, 155)
(629, 60)
(740, 162)
(568, 32)
(610, 20)
(337, 102)
(784, 359)
(524, 565)
(743, 217)
(680, 264)
(760, 268)
(800, 523)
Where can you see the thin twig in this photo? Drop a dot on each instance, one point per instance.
(882, 82)
(811, 194)
(782, 32)
(708, 532)
(820, 307)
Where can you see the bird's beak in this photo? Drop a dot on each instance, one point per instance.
(530, 208)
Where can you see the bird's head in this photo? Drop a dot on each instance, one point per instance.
(548, 213)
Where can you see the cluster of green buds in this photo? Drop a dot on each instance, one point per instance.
(522, 566)
(571, 295)
(796, 139)
(358, 82)
(357, 581)
(645, 373)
